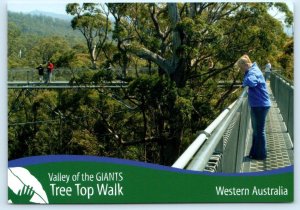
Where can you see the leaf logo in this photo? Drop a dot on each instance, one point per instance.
(23, 187)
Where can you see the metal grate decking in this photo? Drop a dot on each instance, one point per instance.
(279, 144)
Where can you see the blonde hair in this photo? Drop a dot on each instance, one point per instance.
(244, 60)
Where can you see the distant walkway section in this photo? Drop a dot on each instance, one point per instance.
(62, 85)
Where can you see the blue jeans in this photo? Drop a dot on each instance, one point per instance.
(49, 77)
(258, 119)
(267, 75)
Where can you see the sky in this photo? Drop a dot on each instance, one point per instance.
(25, 7)
(56, 6)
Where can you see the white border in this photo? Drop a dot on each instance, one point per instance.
(3, 128)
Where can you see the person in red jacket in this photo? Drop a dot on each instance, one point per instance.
(50, 68)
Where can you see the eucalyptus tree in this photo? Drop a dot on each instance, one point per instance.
(286, 59)
(193, 40)
(92, 20)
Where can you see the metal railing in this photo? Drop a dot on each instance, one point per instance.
(220, 147)
(31, 75)
(283, 92)
(58, 74)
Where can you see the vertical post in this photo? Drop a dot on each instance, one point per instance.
(290, 122)
(27, 77)
(242, 134)
(32, 75)
(220, 149)
(272, 82)
(60, 123)
(60, 131)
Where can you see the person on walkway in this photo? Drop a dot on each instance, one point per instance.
(268, 70)
(260, 104)
(50, 68)
(40, 68)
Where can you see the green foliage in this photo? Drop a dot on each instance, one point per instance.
(286, 60)
(51, 48)
(184, 109)
(84, 143)
(282, 7)
(94, 25)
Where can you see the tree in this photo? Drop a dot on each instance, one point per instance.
(93, 22)
(286, 59)
(49, 48)
(197, 42)
(13, 38)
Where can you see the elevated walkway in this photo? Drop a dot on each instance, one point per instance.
(279, 143)
(225, 144)
(62, 85)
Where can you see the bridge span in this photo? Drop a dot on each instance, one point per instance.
(62, 85)
(225, 144)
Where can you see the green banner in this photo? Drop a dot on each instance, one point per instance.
(104, 180)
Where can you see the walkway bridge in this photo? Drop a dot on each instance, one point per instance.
(225, 144)
(62, 85)
(63, 79)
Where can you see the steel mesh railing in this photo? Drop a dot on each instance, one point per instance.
(221, 146)
(283, 92)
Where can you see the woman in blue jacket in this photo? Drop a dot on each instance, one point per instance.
(259, 102)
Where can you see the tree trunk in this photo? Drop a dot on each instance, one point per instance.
(124, 64)
(92, 56)
(94, 65)
(173, 145)
(175, 66)
(149, 67)
(179, 74)
(193, 10)
(176, 40)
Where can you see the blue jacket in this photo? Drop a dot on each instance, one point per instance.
(257, 93)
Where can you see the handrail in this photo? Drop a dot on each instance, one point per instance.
(224, 119)
(277, 73)
(283, 92)
(64, 85)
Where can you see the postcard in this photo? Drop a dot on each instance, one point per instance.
(162, 102)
